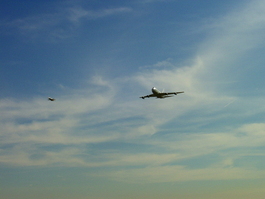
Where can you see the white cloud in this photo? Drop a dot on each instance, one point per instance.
(59, 24)
(78, 13)
(40, 120)
(110, 112)
(154, 1)
(208, 89)
(199, 143)
(167, 167)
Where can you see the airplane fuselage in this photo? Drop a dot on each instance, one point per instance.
(155, 91)
(158, 94)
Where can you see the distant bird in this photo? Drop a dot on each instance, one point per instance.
(51, 99)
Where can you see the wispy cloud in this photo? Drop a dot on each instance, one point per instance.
(154, 1)
(223, 145)
(58, 25)
(64, 132)
(79, 13)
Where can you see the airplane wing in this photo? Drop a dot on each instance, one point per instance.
(152, 95)
(172, 93)
(162, 95)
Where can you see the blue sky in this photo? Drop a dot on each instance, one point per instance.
(99, 139)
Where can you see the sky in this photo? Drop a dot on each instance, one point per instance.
(99, 139)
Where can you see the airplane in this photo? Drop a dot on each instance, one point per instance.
(161, 95)
(51, 99)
